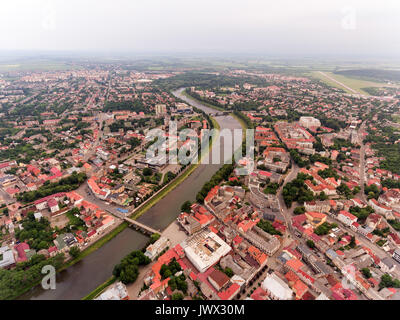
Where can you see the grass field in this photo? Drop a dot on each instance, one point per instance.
(353, 83)
(36, 66)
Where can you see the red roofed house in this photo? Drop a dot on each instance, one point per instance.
(346, 217)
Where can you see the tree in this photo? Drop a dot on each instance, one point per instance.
(147, 172)
(127, 270)
(366, 272)
(129, 274)
(388, 282)
(74, 252)
(352, 243)
(356, 190)
(228, 272)
(324, 228)
(154, 237)
(268, 227)
(372, 191)
(299, 210)
(322, 196)
(344, 190)
(310, 244)
(177, 296)
(186, 206)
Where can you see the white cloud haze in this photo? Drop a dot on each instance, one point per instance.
(251, 26)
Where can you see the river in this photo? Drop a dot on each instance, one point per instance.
(80, 279)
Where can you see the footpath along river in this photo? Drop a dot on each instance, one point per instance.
(83, 277)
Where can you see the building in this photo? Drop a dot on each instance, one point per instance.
(276, 288)
(263, 240)
(116, 292)
(218, 279)
(317, 206)
(7, 259)
(161, 109)
(387, 264)
(97, 191)
(309, 122)
(153, 250)
(346, 217)
(396, 255)
(315, 218)
(64, 241)
(204, 249)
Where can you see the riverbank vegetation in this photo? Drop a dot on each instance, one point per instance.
(127, 270)
(25, 275)
(221, 175)
(96, 292)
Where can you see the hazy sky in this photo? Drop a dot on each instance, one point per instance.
(189, 26)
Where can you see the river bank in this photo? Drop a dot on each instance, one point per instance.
(85, 275)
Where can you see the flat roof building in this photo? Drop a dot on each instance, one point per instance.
(205, 249)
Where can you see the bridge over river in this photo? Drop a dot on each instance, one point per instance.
(80, 279)
(134, 223)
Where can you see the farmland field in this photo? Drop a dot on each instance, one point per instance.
(353, 83)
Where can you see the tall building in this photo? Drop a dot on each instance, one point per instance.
(161, 109)
(309, 122)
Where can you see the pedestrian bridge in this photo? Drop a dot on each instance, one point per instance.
(135, 224)
(140, 226)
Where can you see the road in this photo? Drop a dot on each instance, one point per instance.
(287, 212)
(362, 160)
(101, 116)
(83, 277)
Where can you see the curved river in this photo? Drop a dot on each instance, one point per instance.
(80, 279)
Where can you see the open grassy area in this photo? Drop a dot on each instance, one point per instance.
(37, 66)
(353, 83)
(317, 75)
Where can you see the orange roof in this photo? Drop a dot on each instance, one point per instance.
(87, 166)
(294, 264)
(259, 256)
(300, 288)
(246, 225)
(291, 276)
(74, 196)
(230, 292)
(348, 215)
(213, 229)
(107, 220)
(213, 192)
